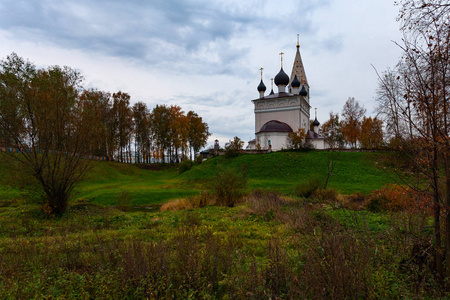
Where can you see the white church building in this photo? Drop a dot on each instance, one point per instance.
(278, 114)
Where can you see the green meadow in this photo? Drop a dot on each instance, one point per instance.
(281, 171)
(271, 245)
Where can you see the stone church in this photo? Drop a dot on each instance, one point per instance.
(278, 114)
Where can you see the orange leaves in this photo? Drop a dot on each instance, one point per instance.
(371, 136)
(393, 197)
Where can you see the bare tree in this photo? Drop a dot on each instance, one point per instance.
(422, 79)
(40, 116)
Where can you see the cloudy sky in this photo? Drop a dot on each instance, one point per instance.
(206, 55)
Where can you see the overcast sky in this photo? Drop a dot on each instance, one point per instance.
(206, 55)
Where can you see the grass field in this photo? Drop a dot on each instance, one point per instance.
(281, 171)
(354, 172)
(270, 246)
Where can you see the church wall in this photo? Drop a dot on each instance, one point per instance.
(278, 140)
(320, 144)
(292, 118)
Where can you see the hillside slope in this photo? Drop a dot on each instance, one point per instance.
(353, 172)
(282, 171)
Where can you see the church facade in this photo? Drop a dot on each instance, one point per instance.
(278, 114)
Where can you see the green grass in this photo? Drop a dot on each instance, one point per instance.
(261, 249)
(281, 171)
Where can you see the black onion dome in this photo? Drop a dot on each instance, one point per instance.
(271, 92)
(281, 78)
(261, 87)
(316, 122)
(295, 83)
(303, 92)
(275, 126)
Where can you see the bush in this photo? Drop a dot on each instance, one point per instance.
(199, 159)
(355, 201)
(307, 189)
(393, 197)
(228, 186)
(234, 147)
(185, 165)
(325, 195)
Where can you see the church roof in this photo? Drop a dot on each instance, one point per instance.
(295, 83)
(311, 135)
(298, 69)
(261, 87)
(316, 122)
(275, 126)
(282, 78)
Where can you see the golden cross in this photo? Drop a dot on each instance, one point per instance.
(261, 72)
(271, 79)
(298, 40)
(281, 54)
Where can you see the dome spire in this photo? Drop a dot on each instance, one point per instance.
(298, 69)
(261, 86)
(281, 54)
(316, 123)
(271, 92)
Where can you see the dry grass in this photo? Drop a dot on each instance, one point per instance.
(201, 200)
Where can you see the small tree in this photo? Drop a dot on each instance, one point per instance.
(234, 147)
(331, 129)
(297, 138)
(352, 115)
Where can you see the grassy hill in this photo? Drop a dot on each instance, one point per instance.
(353, 172)
(282, 171)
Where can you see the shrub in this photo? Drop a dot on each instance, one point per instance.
(185, 165)
(199, 159)
(325, 195)
(355, 201)
(124, 201)
(228, 186)
(393, 197)
(234, 147)
(306, 189)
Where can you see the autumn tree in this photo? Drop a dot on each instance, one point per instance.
(371, 135)
(95, 109)
(297, 138)
(352, 115)
(422, 78)
(198, 133)
(141, 131)
(331, 130)
(123, 119)
(160, 119)
(40, 116)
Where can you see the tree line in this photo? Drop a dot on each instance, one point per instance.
(54, 123)
(110, 126)
(354, 129)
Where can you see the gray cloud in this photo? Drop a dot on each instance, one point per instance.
(196, 35)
